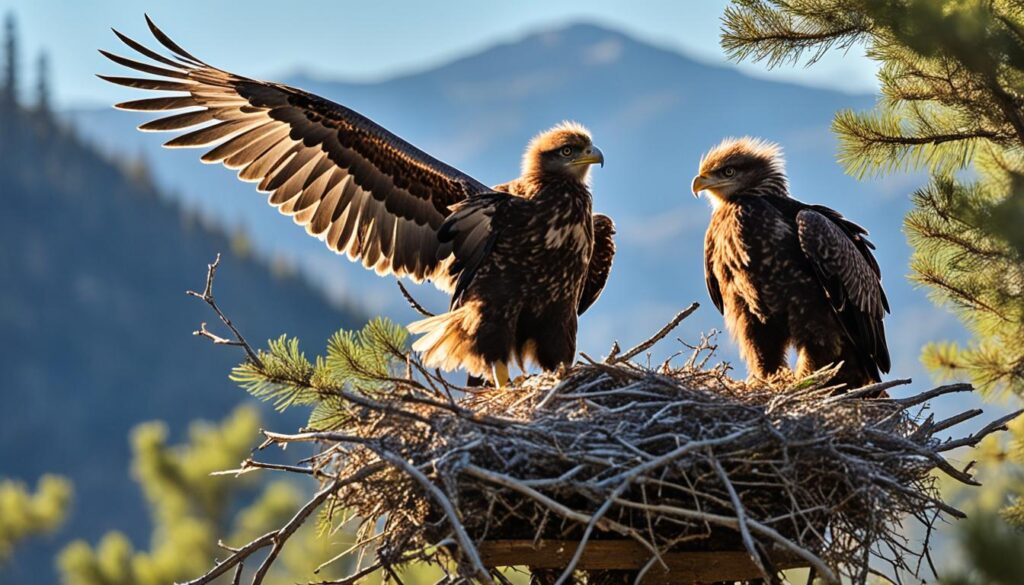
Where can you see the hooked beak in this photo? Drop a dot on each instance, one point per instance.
(699, 184)
(594, 156)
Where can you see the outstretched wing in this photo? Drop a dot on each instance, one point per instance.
(600, 262)
(841, 257)
(351, 183)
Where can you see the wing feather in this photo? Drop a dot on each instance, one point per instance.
(851, 279)
(367, 193)
(471, 231)
(209, 134)
(179, 121)
(600, 261)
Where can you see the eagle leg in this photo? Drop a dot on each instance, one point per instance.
(762, 344)
(499, 374)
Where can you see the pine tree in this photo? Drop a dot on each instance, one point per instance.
(43, 83)
(24, 514)
(9, 96)
(952, 79)
(191, 510)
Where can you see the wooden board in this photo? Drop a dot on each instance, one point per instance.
(683, 567)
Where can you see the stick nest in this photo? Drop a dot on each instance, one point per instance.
(674, 458)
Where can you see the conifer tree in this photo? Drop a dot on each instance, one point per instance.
(952, 81)
(191, 510)
(24, 514)
(43, 83)
(9, 95)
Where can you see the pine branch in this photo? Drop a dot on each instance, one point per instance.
(777, 32)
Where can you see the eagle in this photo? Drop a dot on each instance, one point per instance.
(786, 273)
(521, 260)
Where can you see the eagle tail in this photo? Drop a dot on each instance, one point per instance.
(448, 341)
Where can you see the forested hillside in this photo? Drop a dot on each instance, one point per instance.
(95, 328)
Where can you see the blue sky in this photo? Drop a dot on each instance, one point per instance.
(366, 40)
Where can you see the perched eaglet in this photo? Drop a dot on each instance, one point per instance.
(785, 273)
(520, 261)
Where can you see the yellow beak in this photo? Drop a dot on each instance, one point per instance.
(594, 157)
(699, 184)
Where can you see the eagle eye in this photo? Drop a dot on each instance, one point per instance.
(566, 151)
(729, 171)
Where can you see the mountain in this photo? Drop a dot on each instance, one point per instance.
(652, 111)
(96, 328)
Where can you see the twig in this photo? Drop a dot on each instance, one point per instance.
(644, 346)
(277, 537)
(416, 306)
(935, 393)
(207, 297)
(582, 545)
(741, 518)
(250, 465)
(730, 522)
(286, 531)
(671, 456)
(233, 560)
(354, 577)
(465, 543)
(869, 390)
(996, 425)
(553, 505)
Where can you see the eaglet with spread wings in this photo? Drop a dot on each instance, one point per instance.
(520, 261)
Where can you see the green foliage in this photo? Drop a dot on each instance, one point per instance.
(952, 79)
(993, 553)
(365, 359)
(191, 510)
(963, 257)
(356, 361)
(24, 514)
(284, 377)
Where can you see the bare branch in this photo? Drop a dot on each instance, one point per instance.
(416, 306)
(207, 297)
(649, 343)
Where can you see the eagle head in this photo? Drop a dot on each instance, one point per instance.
(566, 149)
(748, 166)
